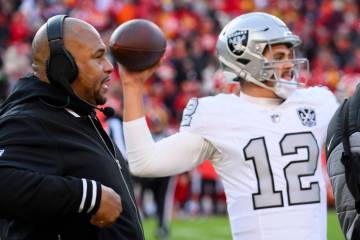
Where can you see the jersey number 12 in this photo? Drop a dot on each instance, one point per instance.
(267, 197)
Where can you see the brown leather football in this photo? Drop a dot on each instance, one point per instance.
(137, 44)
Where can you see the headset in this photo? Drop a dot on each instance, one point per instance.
(61, 68)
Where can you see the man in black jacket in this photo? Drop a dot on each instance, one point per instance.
(61, 176)
(343, 164)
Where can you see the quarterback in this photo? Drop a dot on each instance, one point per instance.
(265, 143)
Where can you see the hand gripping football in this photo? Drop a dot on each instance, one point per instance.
(137, 44)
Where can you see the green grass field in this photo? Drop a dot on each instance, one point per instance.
(217, 228)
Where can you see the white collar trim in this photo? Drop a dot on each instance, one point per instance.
(267, 102)
(72, 112)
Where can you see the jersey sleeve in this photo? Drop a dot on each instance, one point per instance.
(171, 155)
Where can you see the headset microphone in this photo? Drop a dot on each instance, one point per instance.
(78, 101)
(107, 111)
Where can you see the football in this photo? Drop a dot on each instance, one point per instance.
(137, 44)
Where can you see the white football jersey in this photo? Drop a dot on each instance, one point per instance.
(271, 160)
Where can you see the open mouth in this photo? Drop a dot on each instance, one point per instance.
(106, 79)
(288, 75)
(105, 83)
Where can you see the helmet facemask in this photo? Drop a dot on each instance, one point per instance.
(286, 82)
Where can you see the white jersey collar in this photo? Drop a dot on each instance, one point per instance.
(266, 102)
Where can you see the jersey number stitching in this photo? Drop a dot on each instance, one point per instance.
(189, 111)
(267, 196)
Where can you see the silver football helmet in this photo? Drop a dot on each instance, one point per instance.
(241, 45)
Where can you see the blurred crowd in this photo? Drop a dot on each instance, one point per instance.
(330, 30)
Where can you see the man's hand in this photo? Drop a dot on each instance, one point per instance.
(133, 90)
(140, 77)
(109, 210)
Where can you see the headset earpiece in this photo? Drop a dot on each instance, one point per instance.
(61, 68)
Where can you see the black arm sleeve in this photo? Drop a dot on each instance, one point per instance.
(26, 194)
(32, 181)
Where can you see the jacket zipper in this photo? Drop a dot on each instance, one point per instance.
(122, 176)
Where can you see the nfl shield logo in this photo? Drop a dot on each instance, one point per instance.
(307, 116)
(237, 40)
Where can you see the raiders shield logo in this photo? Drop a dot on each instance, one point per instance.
(307, 116)
(237, 40)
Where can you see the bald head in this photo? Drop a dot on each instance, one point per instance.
(77, 35)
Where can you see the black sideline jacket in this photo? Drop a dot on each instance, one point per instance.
(52, 163)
